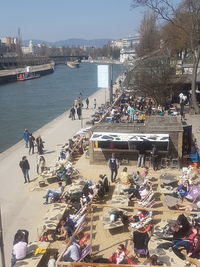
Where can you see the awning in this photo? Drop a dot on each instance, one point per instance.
(124, 137)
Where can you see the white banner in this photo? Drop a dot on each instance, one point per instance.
(103, 76)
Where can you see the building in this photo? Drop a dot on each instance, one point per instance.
(117, 44)
(127, 55)
(131, 41)
(8, 41)
(30, 49)
(128, 52)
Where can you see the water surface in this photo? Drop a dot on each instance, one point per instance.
(33, 103)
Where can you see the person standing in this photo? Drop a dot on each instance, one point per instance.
(72, 113)
(131, 112)
(41, 164)
(154, 155)
(113, 165)
(40, 145)
(31, 140)
(25, 137)
(25, 167)
(79, 112)
(141, 154)
(87, 102)
(95, 103)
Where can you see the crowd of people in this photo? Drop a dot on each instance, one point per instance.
(183, 235)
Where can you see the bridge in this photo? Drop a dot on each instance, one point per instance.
(23, 61)
(64, 59)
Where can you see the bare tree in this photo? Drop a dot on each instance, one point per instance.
(149, 35)
(152, 76)
(165, 9)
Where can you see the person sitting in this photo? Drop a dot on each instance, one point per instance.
(54, 194)
(72, 253)
(119, 255)
(145, 190)
(61, 172)
(194, 250)
(64, 230)
(19, 250)
(124, 177)
(105, 182)
(140, 242)
(183, 189)
(144, 172)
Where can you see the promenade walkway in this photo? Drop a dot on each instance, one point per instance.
(4, 73)
(21, 207)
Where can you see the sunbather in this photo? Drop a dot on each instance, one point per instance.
(53, 194)
(119, 255)
(72, 253)
(124, 177)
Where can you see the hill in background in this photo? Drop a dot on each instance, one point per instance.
(71, 42)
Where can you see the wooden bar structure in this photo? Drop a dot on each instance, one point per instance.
(100, 150)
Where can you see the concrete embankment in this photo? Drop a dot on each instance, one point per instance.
(10, 75)
(21, 207)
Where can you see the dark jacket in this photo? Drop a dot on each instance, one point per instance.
(24, 164)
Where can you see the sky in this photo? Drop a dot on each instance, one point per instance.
(54, 20)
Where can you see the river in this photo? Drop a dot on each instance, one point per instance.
(33, 103)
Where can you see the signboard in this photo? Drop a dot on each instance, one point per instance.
(134, 137)
(103, 76)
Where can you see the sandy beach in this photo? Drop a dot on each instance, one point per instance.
(22, 207)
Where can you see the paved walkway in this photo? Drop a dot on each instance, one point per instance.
(21, 207)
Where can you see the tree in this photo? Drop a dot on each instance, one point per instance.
(152, 76)
(149, 35)
(170, 13)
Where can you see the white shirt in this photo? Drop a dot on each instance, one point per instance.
(59, 190)
(73, 252)
(19, 250)
(52, 263)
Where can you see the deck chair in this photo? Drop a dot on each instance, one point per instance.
(84, 253)
(193, 194)
(78, 215)
(144, 202)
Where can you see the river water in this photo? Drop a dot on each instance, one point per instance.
(33, 103)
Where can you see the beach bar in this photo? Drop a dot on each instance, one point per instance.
(167, 133)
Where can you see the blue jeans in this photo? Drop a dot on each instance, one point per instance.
(181, 243)
(26, 175)
(51, 194)
(13, 260)
(141, 160)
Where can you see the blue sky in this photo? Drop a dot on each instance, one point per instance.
(54, 20)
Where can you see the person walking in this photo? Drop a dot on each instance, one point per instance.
(95, 103)
(72, 113)
(79, 112)
(25, 137)
(87, 102)
(25, 167)
(113, 164)
(31, 140)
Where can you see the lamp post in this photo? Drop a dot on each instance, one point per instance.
(111, 84)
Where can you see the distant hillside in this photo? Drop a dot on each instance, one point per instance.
(71, 42)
